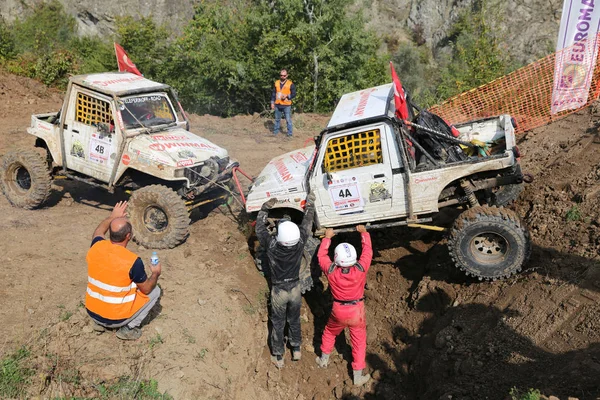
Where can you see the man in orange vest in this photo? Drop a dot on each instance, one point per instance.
(119, 293)
(281, 101)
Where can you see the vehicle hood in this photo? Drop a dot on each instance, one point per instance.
(176, 147)
(283, 178)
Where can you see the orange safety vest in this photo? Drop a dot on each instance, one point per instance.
(281, 93)
(110, 291)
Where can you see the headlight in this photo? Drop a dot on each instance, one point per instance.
(202, 173)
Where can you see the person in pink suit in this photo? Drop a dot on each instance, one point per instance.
(347, 278)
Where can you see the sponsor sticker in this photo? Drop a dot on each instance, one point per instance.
(126, 159)
(169, 137)
(157, 147)
(345, 196)
(299, 157)
(185, 163)
(100, 149)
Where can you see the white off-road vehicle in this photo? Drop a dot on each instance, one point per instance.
(368, 167)
(118, 129)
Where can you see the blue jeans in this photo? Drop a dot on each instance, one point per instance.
(287, 111)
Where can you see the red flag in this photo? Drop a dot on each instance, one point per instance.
(124, 62)
(399, 96)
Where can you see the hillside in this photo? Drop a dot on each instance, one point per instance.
(529, 28)
(432, 332)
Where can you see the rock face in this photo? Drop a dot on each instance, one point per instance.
(529, 28)
(98, 18)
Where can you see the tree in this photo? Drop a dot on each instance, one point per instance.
(230, 55)
(476, 55)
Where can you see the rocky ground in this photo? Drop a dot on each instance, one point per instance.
(433, 333)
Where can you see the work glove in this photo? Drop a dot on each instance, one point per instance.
(269, 204)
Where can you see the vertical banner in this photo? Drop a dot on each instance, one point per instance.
(577, 50)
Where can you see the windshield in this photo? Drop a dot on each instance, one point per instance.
(146, 111)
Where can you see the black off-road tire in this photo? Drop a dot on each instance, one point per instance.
(25, 179)
(507, 195)
(159, 217)
(489, 243)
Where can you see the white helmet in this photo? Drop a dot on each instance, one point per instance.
(288, 233)
(345, 255)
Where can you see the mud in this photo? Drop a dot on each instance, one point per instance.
(433, 333)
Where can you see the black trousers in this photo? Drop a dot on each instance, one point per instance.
(286, 300)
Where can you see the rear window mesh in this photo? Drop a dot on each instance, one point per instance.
(91, 110)
(351, 151)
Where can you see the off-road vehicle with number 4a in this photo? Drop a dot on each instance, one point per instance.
(369, 167)
(121, 130)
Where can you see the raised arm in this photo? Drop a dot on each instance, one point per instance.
(261, 222)
(366, 254)
(323, 254)
(308, 219)
(119, 211)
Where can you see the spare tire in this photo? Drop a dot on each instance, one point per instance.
(489, 242)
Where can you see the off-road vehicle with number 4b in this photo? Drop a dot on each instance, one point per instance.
(369, 167)
(121, 130)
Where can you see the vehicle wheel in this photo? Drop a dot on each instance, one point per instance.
(25, 179)
(489, 242)
(159, 217)
(308, 262)
(506, 195)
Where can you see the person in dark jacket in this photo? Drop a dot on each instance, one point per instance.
(284, 252)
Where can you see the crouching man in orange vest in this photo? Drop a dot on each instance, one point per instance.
(119, 293)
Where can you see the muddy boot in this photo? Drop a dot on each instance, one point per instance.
(296, 354)
(359, 378)
(323, 360)
(98, 328)
(127, 333)
(278, 361)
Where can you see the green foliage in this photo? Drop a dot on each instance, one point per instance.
(94, 55)
(47, 29)
(38, 45)
(53, 68)
(574, 214)
(128, 388)
(476, 55)
(7, 42)
(230, 55)
(414, 67)
(14, 377)
(531, 394)
(146, 44)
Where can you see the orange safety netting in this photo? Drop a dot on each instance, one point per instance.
(525, 94)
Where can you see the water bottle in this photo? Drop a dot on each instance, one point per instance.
(154, 258)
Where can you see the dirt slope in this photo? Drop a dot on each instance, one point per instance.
(432, 333)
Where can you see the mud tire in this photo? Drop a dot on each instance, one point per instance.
(489, 242)
(507, 195)
(159, 217)
(25, 179)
